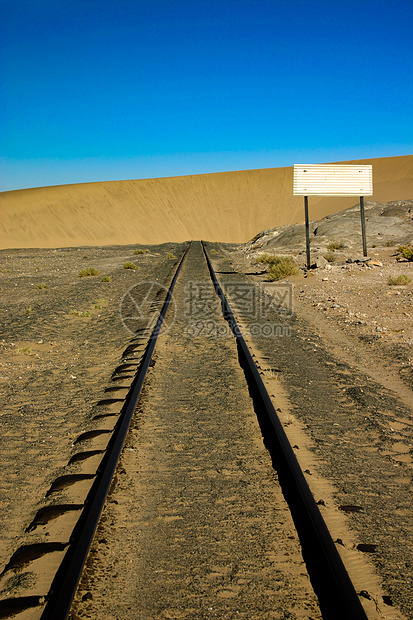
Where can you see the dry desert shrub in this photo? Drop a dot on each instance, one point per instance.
(330, 257)
(99, 303)
(171, 255)
(80, 314)
(282, 268)
(268, 259)
(335, 245)
(107, 278)
(406, 252)
(129, 265)
(88, 271)
(42, 286)
(401, 280)
(23, 351)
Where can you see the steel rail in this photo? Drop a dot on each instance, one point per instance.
(66, 580)
(342, 601)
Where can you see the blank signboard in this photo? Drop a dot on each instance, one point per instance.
(334, 180)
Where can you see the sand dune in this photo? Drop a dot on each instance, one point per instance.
(227, 206)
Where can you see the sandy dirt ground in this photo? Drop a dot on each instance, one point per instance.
(345, 368)
(340, 374)
(62, 337)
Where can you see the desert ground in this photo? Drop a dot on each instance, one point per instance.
(342, 379)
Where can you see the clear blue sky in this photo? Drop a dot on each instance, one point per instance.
(95, 90)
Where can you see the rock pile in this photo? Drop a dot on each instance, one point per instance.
(387, 224)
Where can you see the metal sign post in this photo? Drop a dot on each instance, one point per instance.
(333, 180)
(363, 226)
(307, 232)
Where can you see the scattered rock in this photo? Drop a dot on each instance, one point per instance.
(367, 548)
(320, 262)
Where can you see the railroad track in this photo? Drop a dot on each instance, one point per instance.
(337, 596)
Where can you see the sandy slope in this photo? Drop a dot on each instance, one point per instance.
(228, 206)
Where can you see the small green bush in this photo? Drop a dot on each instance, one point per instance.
(88, 271)
(335, 245)
(171, 255)
(42, 286)
(129, 265)
(286, 266)
(99, 303)
(406, 252)
(81, 314)
(139, 251)
(330, 257)
(268, 259)
(107, 278)
(399, 281)
(23, 351)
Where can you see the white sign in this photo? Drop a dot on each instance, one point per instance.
(332, 180)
